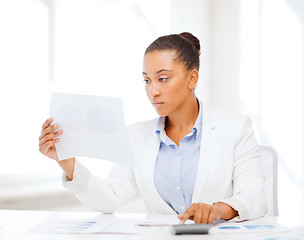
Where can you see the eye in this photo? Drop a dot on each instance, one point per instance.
(162, 79)
(146, 81)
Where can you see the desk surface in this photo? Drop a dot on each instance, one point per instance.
(16, 225)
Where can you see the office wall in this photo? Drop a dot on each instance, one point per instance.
(194, 16)
(253, 63)
(216, 24)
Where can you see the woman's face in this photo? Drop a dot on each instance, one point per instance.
(166, 81)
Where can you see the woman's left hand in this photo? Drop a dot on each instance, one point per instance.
(201, 213)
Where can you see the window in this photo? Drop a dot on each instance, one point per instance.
(77, 46)
(24, 84)
(271, 88)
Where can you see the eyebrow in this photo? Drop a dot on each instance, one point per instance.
(158, 72)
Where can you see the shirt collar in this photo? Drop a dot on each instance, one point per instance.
(197, 127)
(198, 123)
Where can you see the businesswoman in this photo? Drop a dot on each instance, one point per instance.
(192, 161)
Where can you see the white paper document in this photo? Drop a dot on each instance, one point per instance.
(258, 225)
(93, 126)
(66, 226)
(161, 221)
(88, 226)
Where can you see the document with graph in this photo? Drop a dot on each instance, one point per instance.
(93, 126)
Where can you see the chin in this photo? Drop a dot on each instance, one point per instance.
(162, 113)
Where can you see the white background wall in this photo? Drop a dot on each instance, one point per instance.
(254, 59)
(216, 24)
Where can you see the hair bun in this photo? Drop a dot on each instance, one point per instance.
(192, 39)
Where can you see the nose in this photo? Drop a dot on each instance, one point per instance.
(154, 90)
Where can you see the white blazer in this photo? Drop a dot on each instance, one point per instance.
(229, 170)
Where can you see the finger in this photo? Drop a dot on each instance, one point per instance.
(188, 214)
(48, 130)
(47, 122)
(182, 222)
(205, 215)
(182, 219)
(212, 216)
(198, 215)
(50, 137)
(46, 146)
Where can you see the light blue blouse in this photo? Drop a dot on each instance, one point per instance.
(176, 166)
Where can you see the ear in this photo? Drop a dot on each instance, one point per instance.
(193, 78)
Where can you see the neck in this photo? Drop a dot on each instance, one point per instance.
(185, 116)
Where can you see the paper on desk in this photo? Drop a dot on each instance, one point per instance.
(274, 235)
(253, 226)
(161, 221)
(93, 126)
(88, 226)
(66, 226)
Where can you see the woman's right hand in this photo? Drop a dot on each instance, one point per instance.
(48, 138)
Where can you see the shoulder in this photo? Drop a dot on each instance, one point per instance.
(229, 123)
(229, 119)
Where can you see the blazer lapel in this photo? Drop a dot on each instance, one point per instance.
(153, 143)
(209, 139)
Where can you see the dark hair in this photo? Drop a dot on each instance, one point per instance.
(186, 46)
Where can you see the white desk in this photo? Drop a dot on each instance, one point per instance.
(16, 224)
